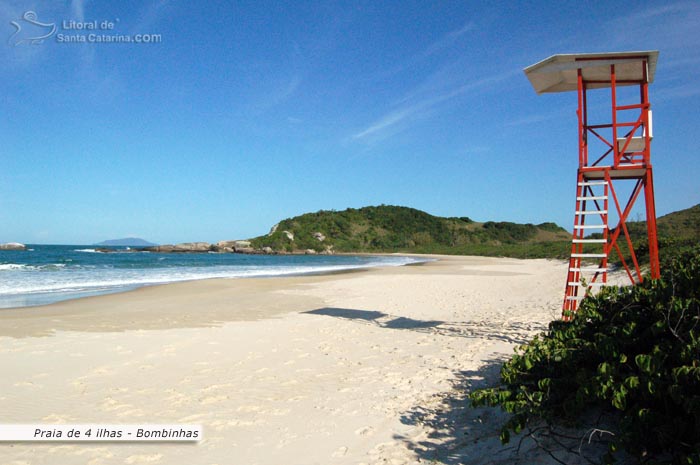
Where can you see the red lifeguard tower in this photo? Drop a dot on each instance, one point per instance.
(614, 140)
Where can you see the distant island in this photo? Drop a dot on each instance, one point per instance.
(126, 242)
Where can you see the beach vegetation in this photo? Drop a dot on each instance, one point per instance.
(631, 355)
(393, 229)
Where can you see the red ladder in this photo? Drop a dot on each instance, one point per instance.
(589, 243)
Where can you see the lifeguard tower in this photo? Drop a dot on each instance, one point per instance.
(614, 146)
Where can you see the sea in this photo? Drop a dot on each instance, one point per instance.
(45, 274)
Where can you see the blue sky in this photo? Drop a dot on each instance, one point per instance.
(244, 113)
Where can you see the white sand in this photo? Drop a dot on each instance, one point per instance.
(342, 369)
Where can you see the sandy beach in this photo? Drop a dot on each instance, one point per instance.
(368, 367)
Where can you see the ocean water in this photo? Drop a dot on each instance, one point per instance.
(50, 273)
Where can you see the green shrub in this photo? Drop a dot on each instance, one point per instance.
(633, 351)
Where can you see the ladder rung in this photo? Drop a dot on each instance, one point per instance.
(576, 284)
(589, 270)
(592, 212)
(598, 197)
(574, 297)
(591, 226)
(593, 183)
(589, 241)
(588, 255)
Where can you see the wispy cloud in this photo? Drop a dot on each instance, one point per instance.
(671, 27)
(149, 16)
(434, 48)
(685, 90)
(446, 40)
(445, 84)
(415, 108)
(279, 92)
(536, 118)
(77, 9)
(390, 119)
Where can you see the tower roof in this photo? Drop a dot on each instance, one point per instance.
(559, 73)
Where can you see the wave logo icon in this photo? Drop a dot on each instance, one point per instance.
(31, 31)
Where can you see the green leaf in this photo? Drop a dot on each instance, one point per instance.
(604, 368)
(505, 436)
(644, 362)
(619, 400)
(632, 382)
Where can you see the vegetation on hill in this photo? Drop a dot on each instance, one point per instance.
(388, 228)
(677, 229)
(632, 353)
(400, 229)
(682, 226)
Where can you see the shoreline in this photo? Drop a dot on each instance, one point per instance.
(365, 367)
(73, 311)
(98, 285)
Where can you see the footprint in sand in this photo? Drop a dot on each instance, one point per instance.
(248, 408)
(136, 412)
(57, 418)
(25, 384)
(191, 418)
(365, 431)
(216, 386)
(144, 458)
(214, 399)
(340, 452)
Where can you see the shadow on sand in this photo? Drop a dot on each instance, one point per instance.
(513, 332)
(455, 433)
(448, 430)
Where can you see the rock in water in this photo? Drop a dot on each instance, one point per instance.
(13, 246)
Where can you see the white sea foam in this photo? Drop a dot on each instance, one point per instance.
(45, 283)
(23, 267)
(11, 266)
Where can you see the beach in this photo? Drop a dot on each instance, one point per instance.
(364, 367)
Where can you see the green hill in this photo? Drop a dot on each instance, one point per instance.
(676, 231)
(400, 229)
(682, 226)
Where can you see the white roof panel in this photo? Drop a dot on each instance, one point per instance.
(559, 73)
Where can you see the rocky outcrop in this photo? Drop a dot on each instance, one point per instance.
(289, 235)
(234, 246)
(185, 247)
(319, 236)
(13, 246)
